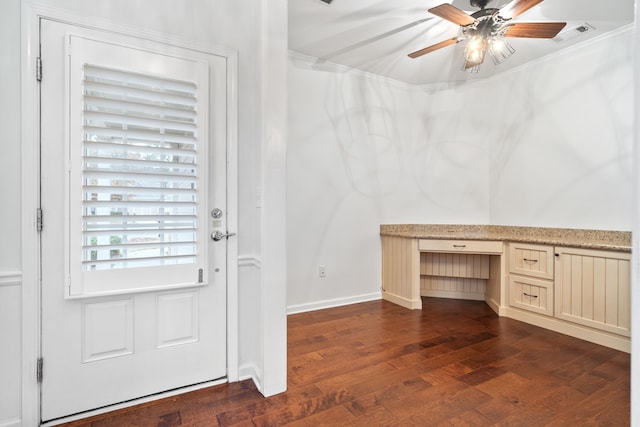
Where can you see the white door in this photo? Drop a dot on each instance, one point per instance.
(133, 137)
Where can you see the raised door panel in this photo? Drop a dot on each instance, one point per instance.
(592, 288)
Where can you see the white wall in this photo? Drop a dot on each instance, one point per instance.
(563, 138)
(364, 151)
(547, 145)
(10, 125)
(230, 24)
(10, 280)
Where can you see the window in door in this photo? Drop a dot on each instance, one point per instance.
(136, 179)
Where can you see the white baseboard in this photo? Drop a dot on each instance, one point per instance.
(13, 422)
(402, 301)
(471, 296)
(250, 371)
(495, 306)
(337, 302)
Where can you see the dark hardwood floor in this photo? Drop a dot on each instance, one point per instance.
(377, 364)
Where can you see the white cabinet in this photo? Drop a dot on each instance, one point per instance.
(584, 293)
(592, 288)
(578, 291)
(530, 277)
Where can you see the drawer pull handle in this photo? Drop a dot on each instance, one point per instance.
(530, 296)
(460, 246)
(530, 261)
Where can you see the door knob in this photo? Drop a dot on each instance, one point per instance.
(219, 235)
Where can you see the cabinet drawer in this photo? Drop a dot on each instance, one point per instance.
(531, 260)
(531, 294)
(452, 246)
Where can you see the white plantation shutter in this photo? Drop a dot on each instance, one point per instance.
(137, 177)
(139, 171)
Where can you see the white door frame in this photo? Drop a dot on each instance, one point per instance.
(31, 13)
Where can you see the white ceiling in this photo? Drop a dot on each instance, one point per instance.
(376, 35)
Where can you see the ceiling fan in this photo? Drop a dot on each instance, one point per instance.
(487, 29)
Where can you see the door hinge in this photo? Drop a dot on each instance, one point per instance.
(39, 222)
(39, 69)
(39, 370)
(200, 275)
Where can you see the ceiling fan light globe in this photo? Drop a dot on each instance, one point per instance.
(500, 50)
(470, 68)
(475, 50)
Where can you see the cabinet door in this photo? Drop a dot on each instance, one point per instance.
(531, 260)
(593, 288)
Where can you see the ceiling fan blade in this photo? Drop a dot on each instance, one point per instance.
(452, 14)
(535, 30)
(517, 7)
(431, 48)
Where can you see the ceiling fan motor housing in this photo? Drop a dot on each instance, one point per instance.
(487, 23)
(479, 3)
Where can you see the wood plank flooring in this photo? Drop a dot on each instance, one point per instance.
(455, 363)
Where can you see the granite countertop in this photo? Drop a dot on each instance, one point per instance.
(577, 238)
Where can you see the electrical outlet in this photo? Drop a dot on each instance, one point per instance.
(322, 271)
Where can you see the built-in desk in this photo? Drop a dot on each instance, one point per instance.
(572, 281)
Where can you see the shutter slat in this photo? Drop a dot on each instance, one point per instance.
(115, 219)
(151, 84)
(132, 164)
(109, 90)
(141, 259)
(140, 245)
(136, 232)
(137, 176)
(110, 189)
(117, 147)
(148, 124)
(144, 138)
(139, 109)
(137, 203)
(109, 228)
